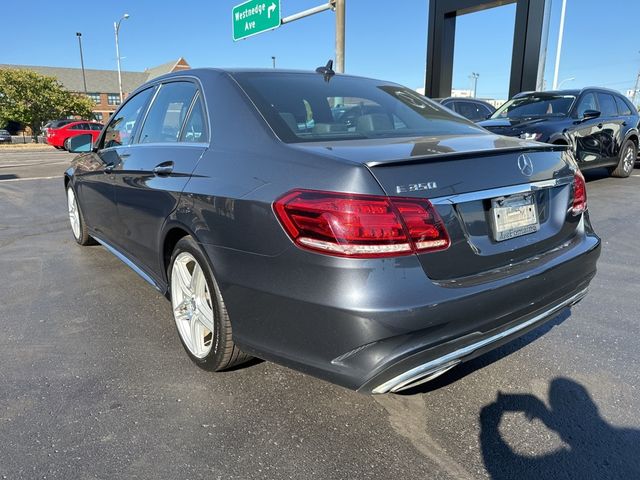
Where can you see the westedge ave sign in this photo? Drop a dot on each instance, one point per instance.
(255, 16)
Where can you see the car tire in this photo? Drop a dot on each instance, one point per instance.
(627, 160)
(199, 311)
(65, 145)
(78, 227)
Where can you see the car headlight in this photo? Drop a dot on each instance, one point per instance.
(531, 136)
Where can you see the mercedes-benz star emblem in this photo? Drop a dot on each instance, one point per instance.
(525, 165)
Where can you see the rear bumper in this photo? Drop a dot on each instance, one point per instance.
(373, 325)
(433, 368)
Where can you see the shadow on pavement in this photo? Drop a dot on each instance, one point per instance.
(594, 449)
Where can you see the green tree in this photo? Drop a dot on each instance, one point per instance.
(32, 99)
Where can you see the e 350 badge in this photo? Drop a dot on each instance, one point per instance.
(416, 187)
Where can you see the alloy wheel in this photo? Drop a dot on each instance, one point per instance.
(74, 214)
(192, 306)
(629, 159)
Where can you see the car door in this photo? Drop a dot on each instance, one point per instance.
(586, 133)
(95, 173)
(150, 180)
(611, 131)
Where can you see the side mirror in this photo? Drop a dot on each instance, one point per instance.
(81, 143)
(589, 114)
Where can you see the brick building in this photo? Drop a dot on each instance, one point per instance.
(102, 85)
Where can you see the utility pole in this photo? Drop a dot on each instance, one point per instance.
(116, 27)
(635, 90)
(339, 6)
(559, 48)
(273, 61)
(84, 78)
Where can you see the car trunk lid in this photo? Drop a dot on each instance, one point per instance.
(469, 180)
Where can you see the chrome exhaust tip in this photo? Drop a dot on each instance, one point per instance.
(423, 377)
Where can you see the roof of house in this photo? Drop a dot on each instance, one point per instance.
(102, 81)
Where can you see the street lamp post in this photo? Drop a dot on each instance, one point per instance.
(474, 76)
(556, 70)
(273, 61)
(570, 79)
(116, 27)
(84, 78)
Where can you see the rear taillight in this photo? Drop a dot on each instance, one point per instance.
(579, 194)
(362, 226)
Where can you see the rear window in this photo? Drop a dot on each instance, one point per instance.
(303, 107)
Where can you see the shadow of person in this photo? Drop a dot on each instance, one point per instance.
(594, 449)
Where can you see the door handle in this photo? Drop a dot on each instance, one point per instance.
(165, 168)
(624, 124)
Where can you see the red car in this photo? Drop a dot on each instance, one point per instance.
(58, 136)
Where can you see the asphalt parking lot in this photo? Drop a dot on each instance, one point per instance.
(95, 384)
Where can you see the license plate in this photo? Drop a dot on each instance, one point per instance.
(514, 216)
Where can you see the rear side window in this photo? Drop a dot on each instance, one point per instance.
(472, 110)
(623, 108)
(195, 129)
(168, 112)
(607, 105)
(121, 128)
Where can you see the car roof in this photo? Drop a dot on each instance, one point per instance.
(197, 72)
(570, 91)
(463, 99)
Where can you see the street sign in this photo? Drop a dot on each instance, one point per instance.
(255, 16)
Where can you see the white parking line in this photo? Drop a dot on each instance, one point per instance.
(32, 178)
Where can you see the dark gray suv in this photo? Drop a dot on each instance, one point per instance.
(375, 252)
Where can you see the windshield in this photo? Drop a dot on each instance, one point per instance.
(536, 106)
(303, 107)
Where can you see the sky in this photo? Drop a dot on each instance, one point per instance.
(384, 39)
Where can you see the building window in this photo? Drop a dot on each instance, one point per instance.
(95, 97)
(113, 99)
(98, 116)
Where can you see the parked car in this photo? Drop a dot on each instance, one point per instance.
(54, 124)
(376, 256)
(471, 108)
(59, 136)
(600, 125)
(5, 136)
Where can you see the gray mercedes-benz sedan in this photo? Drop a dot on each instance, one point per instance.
(342, 226)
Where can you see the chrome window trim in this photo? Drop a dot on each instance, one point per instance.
(500, 192)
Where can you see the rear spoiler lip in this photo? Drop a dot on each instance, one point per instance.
(465, 154)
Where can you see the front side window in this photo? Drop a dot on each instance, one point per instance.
(536, 105)
(607, 105)
(304, 107)
(167, 114)
(122, 125)
(588, 102)
(113, 98)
